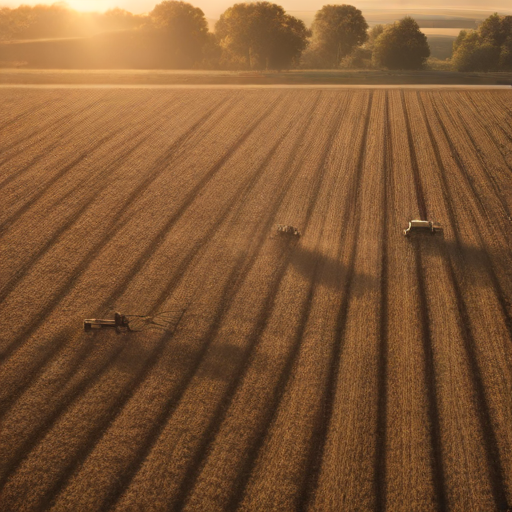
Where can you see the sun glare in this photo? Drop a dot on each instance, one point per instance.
(89, 5)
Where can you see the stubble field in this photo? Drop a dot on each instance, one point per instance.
(352, 369)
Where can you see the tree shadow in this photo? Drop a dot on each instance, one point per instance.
(220, 362)
(477, 263)
(331, 272)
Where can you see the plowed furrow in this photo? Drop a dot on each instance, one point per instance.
(324, 420)
(41, 105)
(380, 474)
(261, 309)
(495, 127)
(422, 207)
(431, 368)
(491, 237)
(352, 368)
(493, 167)
(54, 125)
(265, 308)
(188, 200)
(410, 409)
(470, 161)
(17, 170)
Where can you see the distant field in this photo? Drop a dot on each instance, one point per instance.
(440, 18)
(441, 45)
(442, 32)
(350, 369)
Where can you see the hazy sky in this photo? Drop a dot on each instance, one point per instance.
(212, 8)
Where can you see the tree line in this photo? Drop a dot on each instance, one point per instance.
(489, 48)
(58, 21)
(254, 36)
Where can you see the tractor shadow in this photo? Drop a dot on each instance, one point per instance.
(329, 272)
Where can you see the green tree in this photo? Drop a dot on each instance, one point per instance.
(262, 34)
(458, 40)
(474, 53)
(181, 30)
(487, 49)
(373, 35)
(505, 59)
(496, 29)
(401, 46)
(337, 31)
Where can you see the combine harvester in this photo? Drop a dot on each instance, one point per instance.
(422, 226)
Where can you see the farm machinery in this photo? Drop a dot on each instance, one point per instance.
(286, 230)
(422, 226)
(167, 320)
(96, 323)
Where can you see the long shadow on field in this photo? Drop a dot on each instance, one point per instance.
(474, 260)
(19, 382)
(476, 266)
(222, 361)
(333, 271)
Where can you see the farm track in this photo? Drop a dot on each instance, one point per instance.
(349, 369)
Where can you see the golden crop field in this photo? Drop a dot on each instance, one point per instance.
(349, 369)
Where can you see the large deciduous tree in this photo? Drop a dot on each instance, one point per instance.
(182, 32)
(262, 34)
(337, 31)
(401, 45)
(487, 49)
(473, 53)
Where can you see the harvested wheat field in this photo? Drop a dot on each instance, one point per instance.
(349, 369)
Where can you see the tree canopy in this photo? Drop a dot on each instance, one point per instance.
(487, 49)
(401, 46)
(337, 30)
(182, 31)
(262, 34)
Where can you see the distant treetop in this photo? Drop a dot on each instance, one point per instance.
(262, 35)
(401, 45)
(337, 30)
